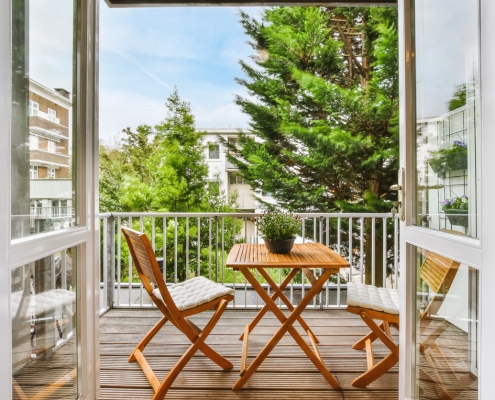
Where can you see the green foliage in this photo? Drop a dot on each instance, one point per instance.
(325, 107)
(448, 159)
(324, 110)
(277, 225)
(456, 203)
(163, 169)
(458, 98)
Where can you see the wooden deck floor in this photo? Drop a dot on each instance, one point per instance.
(286, 374)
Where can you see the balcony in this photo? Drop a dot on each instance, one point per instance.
(229, 166)
(50, 128)
(246, 201)
(50, 212)
(45, 158)
(128, 313)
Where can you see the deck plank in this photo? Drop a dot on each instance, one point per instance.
(287, 368)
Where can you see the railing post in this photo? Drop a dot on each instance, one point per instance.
(216, 249)
(110, 250)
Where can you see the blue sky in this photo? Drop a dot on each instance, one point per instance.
(144, 52)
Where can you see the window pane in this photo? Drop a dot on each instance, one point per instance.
(214, 151)
(42, 129)
(447, 107)
(44, 340)
(446, 328)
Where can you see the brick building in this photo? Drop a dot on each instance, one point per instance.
(49, 158)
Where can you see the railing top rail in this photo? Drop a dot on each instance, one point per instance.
(241, 215)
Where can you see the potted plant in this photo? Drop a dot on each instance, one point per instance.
(448, 159)
(279, 230)
(456, 210)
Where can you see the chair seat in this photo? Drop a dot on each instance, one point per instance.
(194, 292)
(373, 298)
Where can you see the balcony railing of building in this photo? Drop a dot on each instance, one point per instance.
(47, 117)
(198, 244)
(45, 157)
(51, 212)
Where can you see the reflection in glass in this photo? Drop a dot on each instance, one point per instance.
(446, 328)
(42, 168)
(447, 104)
(43, 310)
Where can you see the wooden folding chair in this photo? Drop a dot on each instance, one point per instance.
(438, 273)
(372, 303)
(177, 303)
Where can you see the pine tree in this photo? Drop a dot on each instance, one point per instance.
(325, 109)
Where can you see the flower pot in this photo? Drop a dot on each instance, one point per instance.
(448, 162)
(457, 217)
(280, 246)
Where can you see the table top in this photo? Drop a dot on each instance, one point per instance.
(309, 255)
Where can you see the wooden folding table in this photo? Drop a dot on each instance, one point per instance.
(244, 257)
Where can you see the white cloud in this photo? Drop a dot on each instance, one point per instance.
(119, 110)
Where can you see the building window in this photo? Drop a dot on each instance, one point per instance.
(52, 146)
(33, 172)
(51, 173)
(266, 194)
(34, 142)
(52, 115)
(236, 179)
(34, 108)
(214, 151)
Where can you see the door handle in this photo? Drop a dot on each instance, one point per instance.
(398, 208)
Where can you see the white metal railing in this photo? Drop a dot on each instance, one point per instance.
(51, 212)
(198, 244)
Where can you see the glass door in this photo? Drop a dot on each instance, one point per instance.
(50, 226)
(440, 246)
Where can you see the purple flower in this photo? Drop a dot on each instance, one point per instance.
(445, 202)
(460, 144)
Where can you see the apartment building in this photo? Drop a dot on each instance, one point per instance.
(232, 183)
(49, 158)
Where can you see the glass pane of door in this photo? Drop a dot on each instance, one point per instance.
(447, 106)
(43, 57)
(44, 339)
(446, 327)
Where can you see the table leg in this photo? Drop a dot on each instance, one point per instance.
(278, 291)
(287, 325)
(274, 297)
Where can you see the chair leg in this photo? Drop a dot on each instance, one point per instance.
(221, 361)
(197, 343)
(361, 343)
(143, 343)
(376, 370)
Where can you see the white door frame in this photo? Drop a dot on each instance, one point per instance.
(470, 251)
(23, 251)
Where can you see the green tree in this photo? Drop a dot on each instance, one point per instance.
(325, 108)
(163, 169)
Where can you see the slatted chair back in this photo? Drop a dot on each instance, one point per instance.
(147, 267)
(438, 273)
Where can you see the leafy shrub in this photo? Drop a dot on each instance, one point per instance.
(277, 225)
